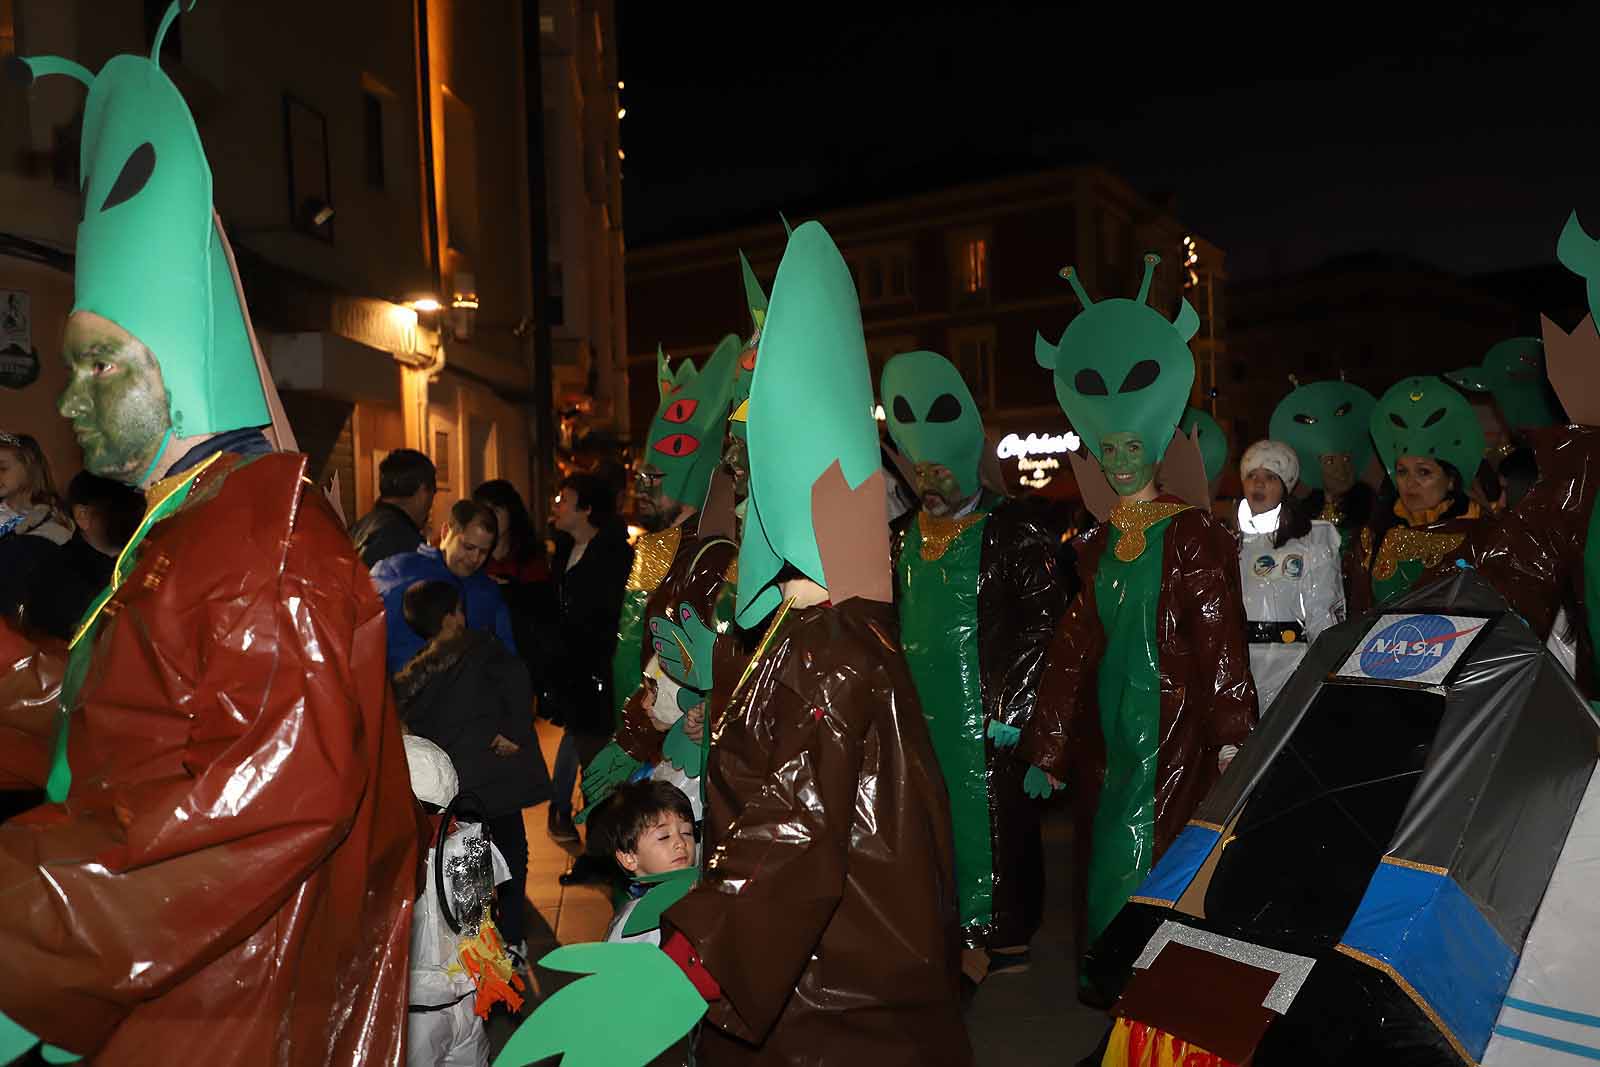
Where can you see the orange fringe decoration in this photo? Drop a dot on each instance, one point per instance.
(484, 959)
(1134, 1044)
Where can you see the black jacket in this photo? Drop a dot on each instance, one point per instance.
(460, 692)
(383, 532)
(578, 652)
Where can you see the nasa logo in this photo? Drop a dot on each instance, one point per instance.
(1293, 566)
(1409, 647)
(1263, 566)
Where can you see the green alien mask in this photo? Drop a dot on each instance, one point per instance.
(931, 415)
(1580, 254)
(1424, 416)
(149, 255)
(685, 440)
(1213, 442)
(1121, 367)
(1513, 371)
(1325, 419)
(816, 481)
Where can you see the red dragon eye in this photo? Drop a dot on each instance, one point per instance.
(678, 444)
(748, 359)
(680, 410)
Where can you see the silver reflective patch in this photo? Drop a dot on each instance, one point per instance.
(1292, 970)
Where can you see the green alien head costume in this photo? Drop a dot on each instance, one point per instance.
(978, 600)
(685, 439)
(1513, 373)
(1325, 419)
(1213, 442)
(931, 415)
(1424, 416)
(1150, 658)
(816, 478)
(149, 255)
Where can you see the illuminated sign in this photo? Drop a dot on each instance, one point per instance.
(1012, 446)
(1037, 473)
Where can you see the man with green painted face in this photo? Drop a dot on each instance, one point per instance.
(1326, 423)
(976, 588)
(1146, 689)
(227, 861)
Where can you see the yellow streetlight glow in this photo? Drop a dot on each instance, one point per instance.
(427, 303)
(622, 112)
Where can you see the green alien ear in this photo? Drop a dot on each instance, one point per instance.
(1423, 416)
(931, 415)
(817, 496)
(149, 254)
(1122, 367)
(1213, 442)
(1325, 419)
(685, 439)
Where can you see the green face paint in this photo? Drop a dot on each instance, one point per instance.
(114, 398)
(1321, 419)
(1213, 442)
(689, 423)
(149, 255)
(1122, 367)
(1127, 462)
(932, 417)
(1423, 416)
(1513, 372)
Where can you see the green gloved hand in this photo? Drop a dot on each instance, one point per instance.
(684, 646)
(1004, 736)
(1037, 784)
(15, 1042)
(610, 768)
(579, 1023)
(686, 755)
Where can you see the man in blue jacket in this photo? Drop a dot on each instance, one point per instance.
(469, 536)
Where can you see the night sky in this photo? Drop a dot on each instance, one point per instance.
(1458, 134)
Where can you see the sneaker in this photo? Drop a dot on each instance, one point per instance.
(560, 826)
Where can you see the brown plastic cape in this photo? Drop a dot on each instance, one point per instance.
(233, 870)
(699, 572)
(827, 912)
(1207, 697)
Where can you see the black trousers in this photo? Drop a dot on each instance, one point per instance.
(510, 836)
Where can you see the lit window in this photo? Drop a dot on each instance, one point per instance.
(975, 266)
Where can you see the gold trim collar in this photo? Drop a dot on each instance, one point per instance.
(939, 532)
(1132, 518)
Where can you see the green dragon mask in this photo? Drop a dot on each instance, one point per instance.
(931, 415)
(1423, 416)
(1513, 371)
(1325, 419)
(685, 439)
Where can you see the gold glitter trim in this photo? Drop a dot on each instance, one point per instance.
(1415, 866)
(731, 575)
(1401, 543)
(1206, 825)
(1132, 518)
(1331, 513)
(1416, 998)
(939, 533)
(1366, 548)
(652, 557)
(1160, 902)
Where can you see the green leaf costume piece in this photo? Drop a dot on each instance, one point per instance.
(1325, 419)
(580, 1022)
(1424, 416)
(931, 415)
(1513, 372)
(1213, 442)
(810, 408)
(149, 254)
(939, 633)
(685, 439)
(1121, 367)
(666, 889)
(1127, 595)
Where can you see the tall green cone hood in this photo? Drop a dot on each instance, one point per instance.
(685, 439)
(1513, 373)
(810, 409)
(1121, 367)
(149, 256)
(1424, 416)
(1325, 419)
(1213, 442)
(931, 415)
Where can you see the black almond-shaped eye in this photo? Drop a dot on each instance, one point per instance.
(902, 411)
(945, 409)
(135, 176)
(1438, 413)
(1343, 409)
(1089, 383)
(1305, 420)
(1398, 421)
(1143, 374)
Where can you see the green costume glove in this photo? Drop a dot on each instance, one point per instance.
(15, 1042)
(1004, 736)
(684, 648)
(579, 1023)
(610, 768)
(1037, 784)
(686, 755)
